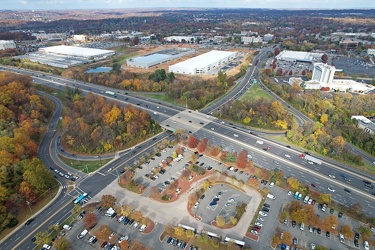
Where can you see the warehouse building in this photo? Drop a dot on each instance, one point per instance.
(5, 44)
(159, 57)
(203, 63)
(78, 52)
(299, 56)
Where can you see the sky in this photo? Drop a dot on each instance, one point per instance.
(115, 4)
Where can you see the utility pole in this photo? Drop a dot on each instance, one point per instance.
(28, 204)
(101, 164)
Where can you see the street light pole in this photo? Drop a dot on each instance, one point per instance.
(101, 164)
(28, 204)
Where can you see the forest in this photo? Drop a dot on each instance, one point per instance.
(92, 124)
(260, 113)
(196, 93)
(332, 125)
(23, 119)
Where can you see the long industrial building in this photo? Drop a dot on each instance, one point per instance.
(5, 44)
(299, 56)
(203, 63)
(79, 52)
(159, 57)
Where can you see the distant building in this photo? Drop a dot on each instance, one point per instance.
(312, 84)
(203, 63)
(77, 52)
(180, 39)
(268, 37)
(49, 36)
(348, 44)
(251, 39)
(7, 44)
(297, 80)
(364, 123)
(323, 73)
(159, 57)
(371, 52)
(299, 56)
(80, 38)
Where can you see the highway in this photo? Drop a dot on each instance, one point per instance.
(201, 125)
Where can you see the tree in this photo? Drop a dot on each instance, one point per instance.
(338, 144)
(347, 231)
(62, 244)
(233, 220)
(324, 58)
(189, 233)
(89, 220)
(355, 209)
(107, 201)
(42, 237)
(206, 184)
(179, 231)
(365, 231)
(220, 221)
(103, 232)
(124, 244)
(126, 210)
(192, 141)
(242, 159)
(293, 182)
(136, 215)
(77, 209)
(299, 215)
(330, 222)
(287, 238)
(326, 198)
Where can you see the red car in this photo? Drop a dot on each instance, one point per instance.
(313, 185)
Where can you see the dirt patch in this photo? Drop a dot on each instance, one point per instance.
(138, 246)
(149, 228)
(252, 236)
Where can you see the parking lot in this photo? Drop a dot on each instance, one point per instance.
(354, 66)
(220, 200)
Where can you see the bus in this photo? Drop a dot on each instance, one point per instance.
(188, 228)
(110, 93)
(80, 198)
(237, 242)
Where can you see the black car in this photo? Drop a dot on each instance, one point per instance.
(215, 199)
(320, 206)
(339, 215)
(140, 167)
(331, 211)
(266, 205)
(328, 234)
(264, 209)
(319, 231)
(213, 203)
(356, 236)
(202, 197)
(131, 222)
(169, 240)
(162, 171)
(294, 241)
(293, 224)
(28, 222)
(236, 170)
(356, 243)
(167, 182)
(347, 190)
(33, 239)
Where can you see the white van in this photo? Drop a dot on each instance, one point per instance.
(83, 234)
(67, 227)
(259, 142)
(306, 199)
(302, 227)
(271, 196)
(366, 246)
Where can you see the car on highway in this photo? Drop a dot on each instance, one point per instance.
(347, 190)
(287, 156)
(313, 185)
(332, 176)
(331, 189)
(28, 222)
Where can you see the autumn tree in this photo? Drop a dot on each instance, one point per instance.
(107, 201)
(42, 237)
(347, 231)
(220, 221)
(136, 215)
(179, 231)
(330, 221)
(355, 209)
(242, 159)
(293, 183)
(365, 232)
(202, 145)
(62, 244)
(192, 141)
(124, 244)
(89, 220)
(189, 233)
(338, 144)
(126, 210)
(233, 220)
(326, 198)
(103, 232)
(287, 238)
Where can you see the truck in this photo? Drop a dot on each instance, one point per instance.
(310, 159)
(109, 212)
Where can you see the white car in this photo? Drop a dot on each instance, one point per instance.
(196, 205)
(231, 200)
(290, 193)
(228, 204)
(254, 232)
(272, 184)
(287, 156)
(261, 213)
(260, 219)
(332, 176)
(331, 189)
(258, 224)
(310, 162)
(250, 156)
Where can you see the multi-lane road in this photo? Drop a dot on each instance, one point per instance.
(202, 125)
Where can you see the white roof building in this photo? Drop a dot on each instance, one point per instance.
(179, 39)
(7, 44)
(77, 51)
(203, 63)
(299, 56)
(323, 72)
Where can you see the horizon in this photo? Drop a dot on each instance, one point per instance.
(53, 5)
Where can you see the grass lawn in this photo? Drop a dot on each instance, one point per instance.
(81, 165)
(163, 97)
(255, 93)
